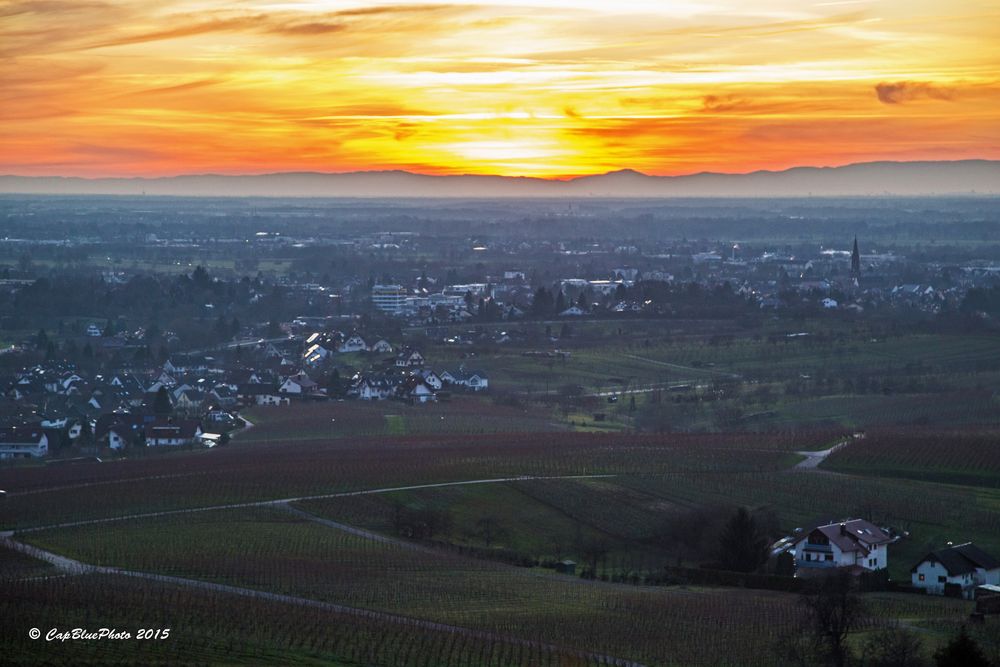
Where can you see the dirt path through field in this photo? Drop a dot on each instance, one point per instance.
(285, 501)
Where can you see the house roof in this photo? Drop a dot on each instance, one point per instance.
(960, 559)
(252, 389)
(127, 422)
(22, 434)
(852, 535)
(180, 429)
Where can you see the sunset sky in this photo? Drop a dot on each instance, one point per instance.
(538, 88)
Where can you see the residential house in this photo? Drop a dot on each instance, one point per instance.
(414, 390)
(299, 384)
(353, 343)
(374, 389)
(119, 431)
(190, 400)
(315, 354)
(261, 394)
(854, 543)
(166, 432)
(431, 379)
(409, 359)
(382, 346)
(956, 570)
(471, 380)
(23, 442)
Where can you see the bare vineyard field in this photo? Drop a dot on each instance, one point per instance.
(40, 496)
(959, 457)
(271, 550)
(209, 627)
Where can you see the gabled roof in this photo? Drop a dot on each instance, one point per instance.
(463, 375)
(854, 535)
(32, 433)
(170, 429)
(961, 559)
(251, 389)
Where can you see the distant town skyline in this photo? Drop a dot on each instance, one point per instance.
(543, 88)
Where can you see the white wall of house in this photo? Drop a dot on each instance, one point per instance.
(825, 555)
(24, 450)
(932, 577)
(830, 555)
(290, 386)
(271, 399)
(115, 441)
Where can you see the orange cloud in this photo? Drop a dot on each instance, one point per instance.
(541, 89)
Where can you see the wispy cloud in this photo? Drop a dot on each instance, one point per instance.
(901, 92)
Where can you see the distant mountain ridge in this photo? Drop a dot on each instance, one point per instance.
(860, 179)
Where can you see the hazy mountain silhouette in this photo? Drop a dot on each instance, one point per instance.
(868, 178)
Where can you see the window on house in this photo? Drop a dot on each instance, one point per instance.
(942, 579)
(829, 556)
(920, 577)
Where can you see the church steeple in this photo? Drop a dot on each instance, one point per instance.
(855, 262)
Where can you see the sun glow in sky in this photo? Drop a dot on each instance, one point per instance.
(517, 87)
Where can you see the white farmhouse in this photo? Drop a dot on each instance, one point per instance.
(956, 568)
(854, 543)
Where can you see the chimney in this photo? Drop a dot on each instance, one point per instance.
(843, 529)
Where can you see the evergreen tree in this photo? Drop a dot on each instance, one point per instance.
(743, 545)
(542, 304)
(961, 651)
(162, 407)
(560, 302)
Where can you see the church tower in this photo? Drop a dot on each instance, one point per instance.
(855, 263)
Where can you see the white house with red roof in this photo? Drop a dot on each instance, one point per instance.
(853, 543)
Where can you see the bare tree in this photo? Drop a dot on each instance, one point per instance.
(893, 647)
(834, 609)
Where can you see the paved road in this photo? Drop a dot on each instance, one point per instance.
(813, 459)
(75, 567)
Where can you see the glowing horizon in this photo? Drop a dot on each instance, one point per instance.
(547, 88)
